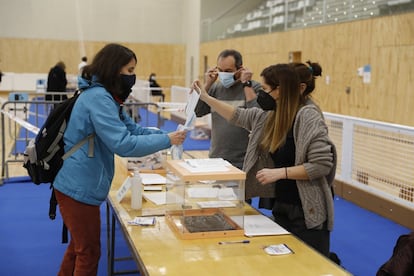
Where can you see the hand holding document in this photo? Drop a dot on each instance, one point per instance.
(192, 101)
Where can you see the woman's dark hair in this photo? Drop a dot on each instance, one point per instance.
(237, 56)
(61, 65)
(106, 66)
(269, 76)
(307, 74)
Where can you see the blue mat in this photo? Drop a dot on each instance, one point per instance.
(33, 241)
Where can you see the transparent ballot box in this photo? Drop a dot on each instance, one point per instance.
(205, 198)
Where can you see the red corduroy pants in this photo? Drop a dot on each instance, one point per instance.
(84, 224)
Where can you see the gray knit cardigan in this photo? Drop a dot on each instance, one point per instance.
(314, 150)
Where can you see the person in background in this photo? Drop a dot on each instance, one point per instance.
(155, 87)
(290, 157)
(56, 82)
(235, 87)
(83, 63)
(83, 182)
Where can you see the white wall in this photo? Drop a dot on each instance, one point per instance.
(136, 21)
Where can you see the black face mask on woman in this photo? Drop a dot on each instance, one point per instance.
(266, 101)
(127, 81)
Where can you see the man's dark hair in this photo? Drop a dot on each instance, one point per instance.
(237, 56)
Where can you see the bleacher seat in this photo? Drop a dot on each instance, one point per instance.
(304, 13)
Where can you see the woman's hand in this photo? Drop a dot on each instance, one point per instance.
(196, 86)
(177, 137)
(268, 176)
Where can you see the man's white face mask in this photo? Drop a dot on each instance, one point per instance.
(226, 78)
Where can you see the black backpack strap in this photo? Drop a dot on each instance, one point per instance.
(52, 214)
(64, 233)
(52, 204)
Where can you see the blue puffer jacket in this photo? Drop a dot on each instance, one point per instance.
(87, 179)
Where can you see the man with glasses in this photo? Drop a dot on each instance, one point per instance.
(231, 82)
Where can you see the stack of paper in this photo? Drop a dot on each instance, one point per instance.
(159, 198)
(260, 225)
(206, 165)
(152, 178)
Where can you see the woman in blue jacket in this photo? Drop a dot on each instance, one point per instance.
(83, 182)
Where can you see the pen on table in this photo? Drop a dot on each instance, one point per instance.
(190, 164)
(289, 248)
(231, 242)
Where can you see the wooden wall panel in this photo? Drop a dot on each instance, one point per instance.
(38, 56)
(385, 43)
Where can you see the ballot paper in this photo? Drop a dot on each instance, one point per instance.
(158, 198)
(152, 178)
(216, 204)
(260, 225)
(143, 221)
(207, 192)
(206, 165)
(192, 101)
(278, 249)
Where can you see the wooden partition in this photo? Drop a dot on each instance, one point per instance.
(384, 43)
(38, 56)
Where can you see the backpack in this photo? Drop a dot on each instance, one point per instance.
(44, 155)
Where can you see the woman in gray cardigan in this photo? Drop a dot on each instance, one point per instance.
(290, 157)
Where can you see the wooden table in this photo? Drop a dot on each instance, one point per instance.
(158, 251)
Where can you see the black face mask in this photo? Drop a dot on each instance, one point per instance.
(266, 101)
(127, 81)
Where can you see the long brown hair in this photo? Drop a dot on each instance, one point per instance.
(279, 122)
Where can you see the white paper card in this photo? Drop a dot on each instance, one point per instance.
(120, 194)
(207, 162)
(260, 225)
(157, 198)
(192, 100)
(220, 193)
(278, 249)
(216, 204)
(152, 178)
(205, 165)
(143, 221)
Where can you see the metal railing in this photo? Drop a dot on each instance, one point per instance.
(21, 120)
(375, 156)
